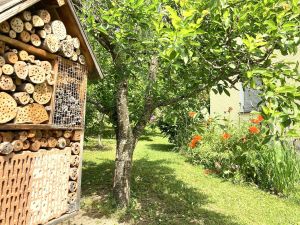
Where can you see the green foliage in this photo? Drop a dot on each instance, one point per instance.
(198, 44)
(181, 121)
(235, 153)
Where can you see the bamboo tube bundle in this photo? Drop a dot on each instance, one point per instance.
(68, 134)
(52, 142)
(22, 135)
(44, 142)
(17, 145)
(35, 146)
(7, 136)
(32, 133)
(61, 143)
(26, 145)
(57, 133)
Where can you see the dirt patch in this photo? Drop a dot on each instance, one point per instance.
(83, 219)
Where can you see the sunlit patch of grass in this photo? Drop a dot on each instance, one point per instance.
(168, 190)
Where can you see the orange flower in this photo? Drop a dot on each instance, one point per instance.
(254, 130)
(192, 114)
(192, 144)
(258, 120)
(197, 138)
(194, 141)
(226, 136)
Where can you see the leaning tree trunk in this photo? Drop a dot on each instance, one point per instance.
(125, 147)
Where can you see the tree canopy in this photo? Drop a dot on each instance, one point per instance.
(158, 53)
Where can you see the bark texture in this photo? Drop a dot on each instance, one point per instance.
(125, 147)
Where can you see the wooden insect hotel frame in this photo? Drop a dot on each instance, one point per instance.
(45, 61)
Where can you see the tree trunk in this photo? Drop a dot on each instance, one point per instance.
(125, 147)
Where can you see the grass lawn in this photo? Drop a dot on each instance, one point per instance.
(168, 190)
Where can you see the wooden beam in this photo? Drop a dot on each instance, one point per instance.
(33, 50)
(15, 9)
(5, 4)
(11, 126)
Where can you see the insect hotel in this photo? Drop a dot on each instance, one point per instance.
(45, 61)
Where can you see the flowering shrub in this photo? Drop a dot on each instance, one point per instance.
(240, 153)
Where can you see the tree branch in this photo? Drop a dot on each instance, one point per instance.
(149, 104)
(99, 106)
(194, 92)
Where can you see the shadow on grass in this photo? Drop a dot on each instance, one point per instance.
(162, 147)
(158, 196)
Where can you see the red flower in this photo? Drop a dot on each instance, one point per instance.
(192, 114)
(254, 130)
(226, 136)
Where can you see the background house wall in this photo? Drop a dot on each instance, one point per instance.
(242, 102)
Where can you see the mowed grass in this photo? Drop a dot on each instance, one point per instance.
(168, 190)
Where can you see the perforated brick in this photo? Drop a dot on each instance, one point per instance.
(34, 186)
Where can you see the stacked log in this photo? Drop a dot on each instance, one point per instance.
(38, 29)
(34, 140)
(25, 91)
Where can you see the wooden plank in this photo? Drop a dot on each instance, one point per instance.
(16, 9)
(62, 218)
(52, 105)
(5, 4)
(33, 50)
(11, 126)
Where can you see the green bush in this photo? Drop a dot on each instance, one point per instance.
(240, 153)
(179, 122)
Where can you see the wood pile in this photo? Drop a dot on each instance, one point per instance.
(34, 140)
(25, 89)
(38, 29)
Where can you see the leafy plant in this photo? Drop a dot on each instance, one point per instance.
(240, 154)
